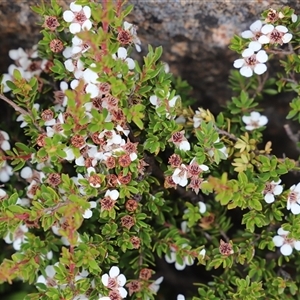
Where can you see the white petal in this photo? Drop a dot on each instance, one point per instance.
(269, 198)
(180, 297)
(76, 41)
(180, 267)
(278, 190)
(87, 11)
(153, 100)
(50, 271)
(69, 65)
(254, 45)
(204, 167)
(287, 37)
(171, 258)
(92, 89)
(202, 252)
(202, 207)
(286, 249)
(114, 194)
(74, 84)
(74, 28)
(246, 71)
(262, 56)
(67, 53)
(93, 204)
(255, 116)
(238, 63)
(87, 214)
(263, 39)
(68, 16)
(4, 134)
(185, 146)
(263, 120)
(295, 208)
(183, 182)
(260, 69)
(75, 7)
(114, 271)
(247, 52)
(26, 173)
(122, 53)
(5, 145)
(122, 292)
(104, 279)
(87, 25)
(247, 34)
(297, 245)
(130, 63)
(256, 26)
(121, 280)
(278, 240)
(90, 76)
(267, 29)
(281, 28)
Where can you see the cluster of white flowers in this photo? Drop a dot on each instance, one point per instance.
(27, 63)
(106, 145)
(183, 172)
(261, 33)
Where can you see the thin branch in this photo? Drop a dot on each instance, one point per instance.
(14, 105)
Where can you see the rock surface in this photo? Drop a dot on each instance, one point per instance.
(194, 34)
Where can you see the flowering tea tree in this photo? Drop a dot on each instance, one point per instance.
(112, 172)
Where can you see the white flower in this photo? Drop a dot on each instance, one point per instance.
(5, 172)
(254, 30)
(113, 194)
(132, 29)
(223, 150)
(79, 46)
(293, 201)
(197, 119)
(251, 62)
(4, 141)
(88, 212)
(202, 253)
(75, 66)
(114, 280)
(186, 261)
(275, 35)
(271, 190)
(286, 244)
(202, 207)
(122, 54)
(49, 279)
(180, 297)
(255, 120)
(180, 175)
(154, 286)
(17, 238)
(78, 16)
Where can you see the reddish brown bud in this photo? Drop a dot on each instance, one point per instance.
(127, 221)
(56, 46)
(225, 248)
(131, 205)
